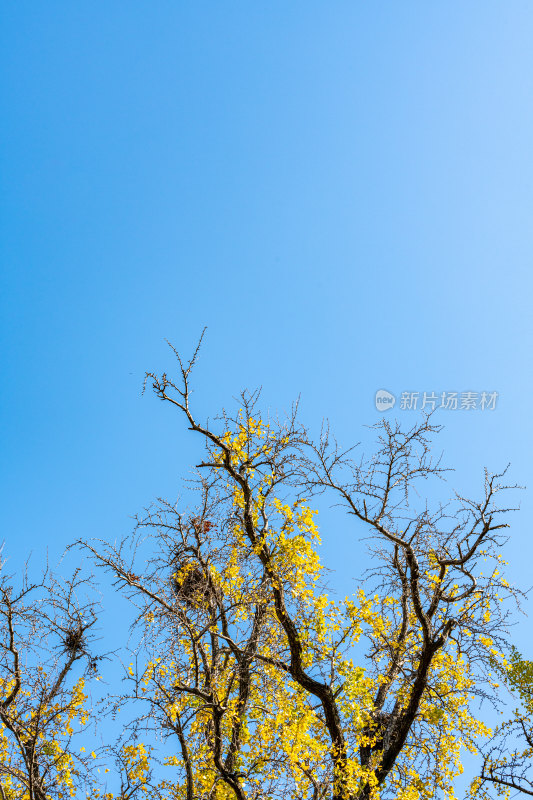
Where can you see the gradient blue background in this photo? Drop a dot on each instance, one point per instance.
(341, 191)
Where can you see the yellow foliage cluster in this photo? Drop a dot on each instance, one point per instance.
(44, 729)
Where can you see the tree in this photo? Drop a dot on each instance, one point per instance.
(262, 684)
(47, 661)
(45, 634)
(508, 763)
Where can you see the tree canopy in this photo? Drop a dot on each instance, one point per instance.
(259, 682)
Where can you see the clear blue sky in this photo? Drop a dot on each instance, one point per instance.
(341, 191)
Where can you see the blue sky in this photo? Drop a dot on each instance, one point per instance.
(342, 192)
